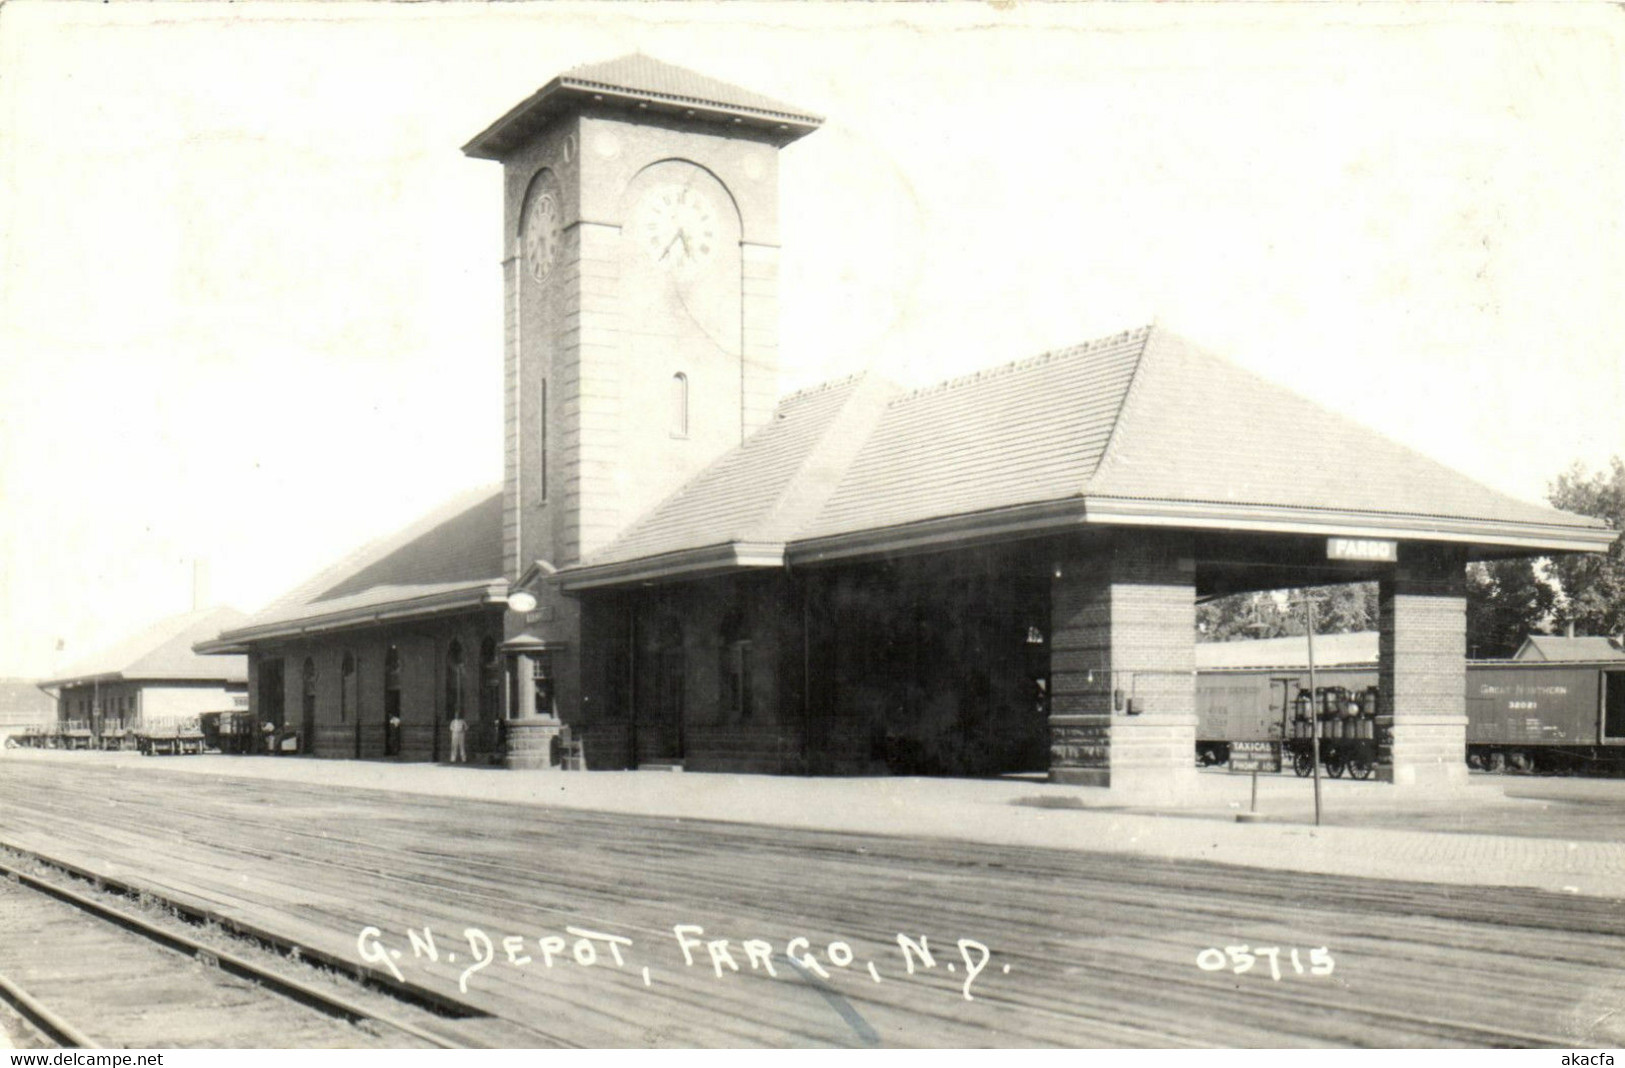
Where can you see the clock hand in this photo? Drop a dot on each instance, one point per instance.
(667, 250)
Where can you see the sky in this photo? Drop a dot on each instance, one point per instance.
(250, 295)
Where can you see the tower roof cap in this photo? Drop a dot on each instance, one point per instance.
(640, 83)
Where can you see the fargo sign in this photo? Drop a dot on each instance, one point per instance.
(1362, 549)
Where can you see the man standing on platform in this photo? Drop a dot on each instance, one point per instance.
(459, 738)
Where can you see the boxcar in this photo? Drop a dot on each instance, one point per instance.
(1521, 715)
(1257, 704)
(1545, 716)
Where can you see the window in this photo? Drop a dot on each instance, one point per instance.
(308, 692)
(541, 672)
(346, 687)
(541, 422)
(490, 679)
(679, 405)
(454, 679)
(737, 697)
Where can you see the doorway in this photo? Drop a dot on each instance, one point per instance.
(392, 702)
(272, 712)
(1613, 706)
(660, 690)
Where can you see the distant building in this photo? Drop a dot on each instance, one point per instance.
(152, 677)
(23, 705)
(1555, 648)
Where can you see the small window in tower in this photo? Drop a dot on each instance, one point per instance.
(542, 424)
(679, 405)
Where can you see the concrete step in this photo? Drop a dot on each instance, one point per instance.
(668, 766)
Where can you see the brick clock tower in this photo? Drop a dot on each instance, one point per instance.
(640, 270)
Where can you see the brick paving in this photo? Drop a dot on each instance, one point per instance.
(1038, 814)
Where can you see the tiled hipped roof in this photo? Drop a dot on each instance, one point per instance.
(647, 85)
(1140, 428)
(1137, 428)
(451, 558)
(646, 76)
(164, 651)
(1552, 647)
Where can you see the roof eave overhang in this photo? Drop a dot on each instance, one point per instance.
(1207, 515)
(488, 594)
(561, 94)
(1028, 520)
(83, 680)
(668, 567)
(941, 533)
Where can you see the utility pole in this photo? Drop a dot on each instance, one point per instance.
(1314, 699)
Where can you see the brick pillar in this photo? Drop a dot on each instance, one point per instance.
(1422, 648)
(1123, 666)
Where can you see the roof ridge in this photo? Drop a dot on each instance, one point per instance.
(591, 76)
(693, 484)
(819, 474)
(1025, 363)
(1133, 390)
(1170, 359)
(820, 387)
(310, 590)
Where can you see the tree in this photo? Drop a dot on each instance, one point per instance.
(1507, 600)
(1278, 613)
(1592, 584)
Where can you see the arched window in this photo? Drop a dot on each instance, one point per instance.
(346, 687)
(738, 696)
(679, 405)
(490, 679)
(454, 679)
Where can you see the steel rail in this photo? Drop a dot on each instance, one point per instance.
(43, 1019)
(332, 1004)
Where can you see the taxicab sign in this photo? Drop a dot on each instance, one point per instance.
(1254, 756)
(1377, 549)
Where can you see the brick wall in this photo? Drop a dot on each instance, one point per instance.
(424, 650)
(1422, 645)
(1122, 664)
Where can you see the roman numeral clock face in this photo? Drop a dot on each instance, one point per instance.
(677, 227)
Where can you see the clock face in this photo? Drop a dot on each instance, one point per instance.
(542, 230)
(677, 227)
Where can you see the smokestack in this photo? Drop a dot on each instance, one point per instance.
(200, 584)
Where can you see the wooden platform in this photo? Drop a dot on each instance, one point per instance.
(1100, 951)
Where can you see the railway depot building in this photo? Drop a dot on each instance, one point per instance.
(151, 678)
(995, 574)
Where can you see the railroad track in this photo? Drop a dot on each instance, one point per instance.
(1103, 947)
(85, 954)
